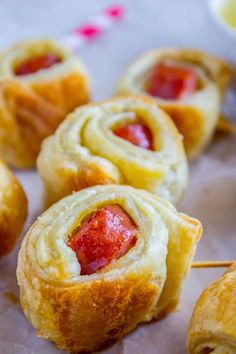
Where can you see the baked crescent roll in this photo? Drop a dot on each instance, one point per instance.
(40, 83)
(188, 84)
(213, 325)
(102, 260)
(13, 209)
(126, 140)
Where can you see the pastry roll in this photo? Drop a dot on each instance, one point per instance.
(126, 140)
(213, 325)
(188, 84)
(101, 261)
(40, 83)
(13, 209)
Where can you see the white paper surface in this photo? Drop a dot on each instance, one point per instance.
(211, 195)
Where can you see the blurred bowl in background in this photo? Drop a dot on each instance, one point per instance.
(224, 12)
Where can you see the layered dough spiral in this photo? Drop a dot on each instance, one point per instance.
(87, 312)
(212, 328)
(85, 152)
(32, 105)
(13, 209)
(196, 115)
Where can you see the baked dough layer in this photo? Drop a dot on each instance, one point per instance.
(86, 313)
(85, 152)
(213, 325)
(195, 116)
(13, 209)
(32, 106)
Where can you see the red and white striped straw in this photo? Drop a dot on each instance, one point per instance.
(81, 35)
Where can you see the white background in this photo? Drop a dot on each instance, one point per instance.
(211, 195)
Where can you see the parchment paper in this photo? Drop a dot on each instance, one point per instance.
(211, 194)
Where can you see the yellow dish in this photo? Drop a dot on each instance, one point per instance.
(228, 12)
(224, 12)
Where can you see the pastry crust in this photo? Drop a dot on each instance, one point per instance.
(13, 209)
(32, 106)
(84, 151)
(85, 313)
(212, 328)
(196, 116)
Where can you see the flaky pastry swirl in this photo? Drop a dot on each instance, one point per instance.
(33, 105)
(213, 325)
(13, 209)
(196, 116)
(85, 152)
(86, 312)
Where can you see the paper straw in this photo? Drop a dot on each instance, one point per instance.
(81, 35)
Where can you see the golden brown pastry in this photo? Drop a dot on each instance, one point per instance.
(40, 83)
(126, 140)
(102, 260)
(188, 84)
(13, 209)
(213, 325)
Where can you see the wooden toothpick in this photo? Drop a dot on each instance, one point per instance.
(225, 125)
(212, 264)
